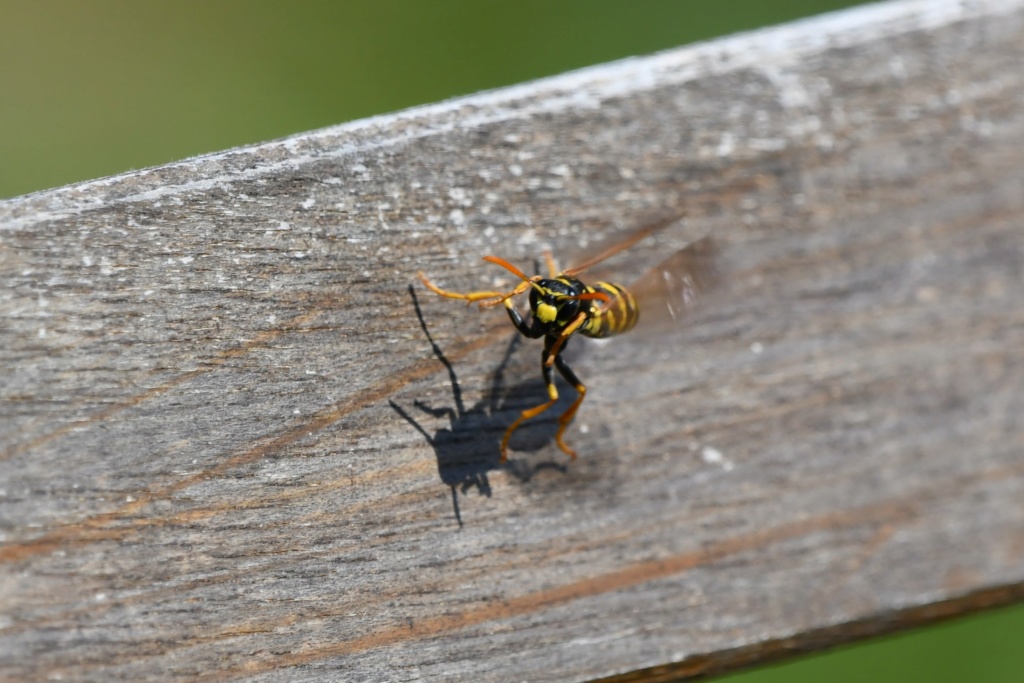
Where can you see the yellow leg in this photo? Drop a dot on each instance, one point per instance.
(566, 418)
(563, 421)
(551, 264)
(551, 350)
(520, 288)
(526, 415)
(566, 333)
(470, 297)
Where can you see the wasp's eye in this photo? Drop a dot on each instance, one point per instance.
(568, 308)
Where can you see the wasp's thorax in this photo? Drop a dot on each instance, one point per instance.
(551, 304)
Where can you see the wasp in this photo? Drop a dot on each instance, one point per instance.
(561, 305)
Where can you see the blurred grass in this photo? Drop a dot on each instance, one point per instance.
(93, 89)
(89, 89)
(982, 648)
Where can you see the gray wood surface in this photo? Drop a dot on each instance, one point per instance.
(230, 451)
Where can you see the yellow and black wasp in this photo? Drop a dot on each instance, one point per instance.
(562, 305)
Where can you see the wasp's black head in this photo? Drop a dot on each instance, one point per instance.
(552, 310)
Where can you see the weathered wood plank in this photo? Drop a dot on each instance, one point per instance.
(224, 434)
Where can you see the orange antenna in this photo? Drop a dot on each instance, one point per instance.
(590, 296)
(515, 271)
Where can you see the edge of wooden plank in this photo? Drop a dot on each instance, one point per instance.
(821, 640)
(584, 88)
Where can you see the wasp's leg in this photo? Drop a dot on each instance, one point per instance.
(520, 288)
(470, 297)
(556, 346)
(517, 319)
(568, 415)
(551, 264)
(549, 380)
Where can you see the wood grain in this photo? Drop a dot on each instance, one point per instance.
(234, 443)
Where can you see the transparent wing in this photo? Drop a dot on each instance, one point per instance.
(669, 290)
(651, 226)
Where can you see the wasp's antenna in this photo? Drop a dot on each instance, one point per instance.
(515, 271)
(589, 296)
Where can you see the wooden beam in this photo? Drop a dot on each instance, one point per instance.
(233, 440)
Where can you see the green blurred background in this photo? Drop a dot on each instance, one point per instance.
(89, 89)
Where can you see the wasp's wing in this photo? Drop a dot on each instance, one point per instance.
(669, 290)
(652, 225)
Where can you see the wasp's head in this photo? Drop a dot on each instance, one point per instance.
(555, 303)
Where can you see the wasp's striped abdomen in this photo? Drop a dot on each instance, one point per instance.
(616, 316)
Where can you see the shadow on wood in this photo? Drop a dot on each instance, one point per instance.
(468, 448)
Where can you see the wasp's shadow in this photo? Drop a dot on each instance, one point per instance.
(470, 446)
